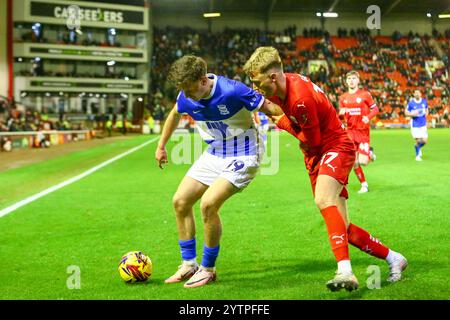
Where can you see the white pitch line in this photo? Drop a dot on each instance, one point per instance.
(41, 194)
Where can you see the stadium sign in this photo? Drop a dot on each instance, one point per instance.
(85, 85)
(84, 14)
(65, 52)
(92, 85)
(88, 14)
(75, 52)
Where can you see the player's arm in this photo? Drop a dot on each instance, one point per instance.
(409, 112)
(256, 117)
(374, 110)
(169, 127)
(276, 114)
(308, 121)
(341, 108)
(284, 123)
(255, 101)
(306, 129)
(341, 113)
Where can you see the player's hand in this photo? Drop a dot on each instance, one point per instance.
(365, 119)
(161, 156)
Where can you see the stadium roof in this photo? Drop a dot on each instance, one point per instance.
(266, 7)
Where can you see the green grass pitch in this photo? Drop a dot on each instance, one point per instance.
(274, 243)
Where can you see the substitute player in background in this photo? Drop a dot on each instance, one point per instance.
(358, 108)
(223, 113)
(329, 157)
(417, 109)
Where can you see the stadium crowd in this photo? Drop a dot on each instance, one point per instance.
(390, 69)
(15, 119)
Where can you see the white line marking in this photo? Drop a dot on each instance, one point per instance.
(26, 201)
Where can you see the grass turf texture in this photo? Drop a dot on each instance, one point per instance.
(274, 243)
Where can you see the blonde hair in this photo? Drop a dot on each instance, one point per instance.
(352, 73)
(262, 60)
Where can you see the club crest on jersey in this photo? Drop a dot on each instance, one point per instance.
(301, 105)
(358, 100)
(223, 109)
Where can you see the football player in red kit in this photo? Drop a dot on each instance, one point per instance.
(329, 156)
(358, 108)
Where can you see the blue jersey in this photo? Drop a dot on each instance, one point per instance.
(421, 106)
(263, 119)
(224, 119)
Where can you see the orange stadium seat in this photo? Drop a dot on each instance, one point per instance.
(306, 43)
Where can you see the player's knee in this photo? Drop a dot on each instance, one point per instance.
(180, 204)
(324, 202)
(209, 208)
(364, 162)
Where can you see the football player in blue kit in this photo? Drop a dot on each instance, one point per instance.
(418, 110)
(223, 112)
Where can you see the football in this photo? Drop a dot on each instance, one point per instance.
(135, 266)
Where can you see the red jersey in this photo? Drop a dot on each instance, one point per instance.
(313, 119)
(357, 105)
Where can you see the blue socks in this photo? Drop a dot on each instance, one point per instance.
(187, 247)
(210, 256)
(188, 252)
(418, 147)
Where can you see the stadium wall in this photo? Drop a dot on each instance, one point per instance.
(3, 52)
(281, 20)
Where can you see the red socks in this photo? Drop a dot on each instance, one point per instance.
(360, 174)
(337, 232)
(361, 239)
(340, 237)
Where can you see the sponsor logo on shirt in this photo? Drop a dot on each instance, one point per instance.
(353, 111)
(223, 109)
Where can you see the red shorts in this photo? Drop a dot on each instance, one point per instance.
(334, 163)
(361, 140)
